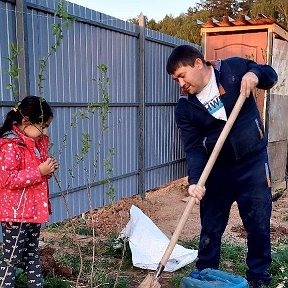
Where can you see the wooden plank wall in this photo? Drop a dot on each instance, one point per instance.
(277, 113)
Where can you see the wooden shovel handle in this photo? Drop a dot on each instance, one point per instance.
(203, 178)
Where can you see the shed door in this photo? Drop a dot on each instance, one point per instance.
(247, 45)
(250, 45)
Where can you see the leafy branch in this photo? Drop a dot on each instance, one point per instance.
(57, 31)
(82, 157)
(13, 71)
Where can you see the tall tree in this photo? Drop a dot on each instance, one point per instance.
(277, 9)
(219, 8)
(282, 9)
(185, 25)
(245, 6)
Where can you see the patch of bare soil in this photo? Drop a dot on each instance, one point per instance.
(165, 207)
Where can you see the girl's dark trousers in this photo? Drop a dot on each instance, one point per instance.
(248, 183)
(20, 244)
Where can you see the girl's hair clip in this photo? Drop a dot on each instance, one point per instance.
(16, 107)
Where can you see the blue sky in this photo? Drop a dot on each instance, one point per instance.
(125, 9)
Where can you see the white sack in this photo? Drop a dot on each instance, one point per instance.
(148, 244)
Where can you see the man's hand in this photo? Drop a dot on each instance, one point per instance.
(197, 192)
(248, 84)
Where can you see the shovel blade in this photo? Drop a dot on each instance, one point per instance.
(150, 282)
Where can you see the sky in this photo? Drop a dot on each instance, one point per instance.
(127, 9)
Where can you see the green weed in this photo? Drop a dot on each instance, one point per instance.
(70, 260)
(233, 258)
(21, 279)
(56, 283)
(190, 244)
(84, 230)
(55, 227)
(279, 269)
(105, 280)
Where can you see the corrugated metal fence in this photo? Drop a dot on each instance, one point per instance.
(142, 98)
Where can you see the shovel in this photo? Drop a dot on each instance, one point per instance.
(151, 280)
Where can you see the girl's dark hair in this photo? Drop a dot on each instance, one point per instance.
(36, 109)
(183, 55)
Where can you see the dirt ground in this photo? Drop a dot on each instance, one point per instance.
(165, 207)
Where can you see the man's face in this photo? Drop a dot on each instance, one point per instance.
(191, 79)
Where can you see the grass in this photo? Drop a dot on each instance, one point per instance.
(233, 258)
(113, 262)
(49, 282)
(279, 268)
(108, 260)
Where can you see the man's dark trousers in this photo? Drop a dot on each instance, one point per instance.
(248, 183)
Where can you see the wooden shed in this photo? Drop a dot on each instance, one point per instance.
(264, 41)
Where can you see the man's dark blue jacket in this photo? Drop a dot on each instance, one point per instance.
(200, 130)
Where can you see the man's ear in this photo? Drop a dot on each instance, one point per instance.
(198, 63)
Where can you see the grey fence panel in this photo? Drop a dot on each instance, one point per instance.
(8, 36)
(72, 81)
(159, 176)
(163, 154)
(68, 80)
(74, 65)
(4, 111)
(44, 3)
(83, 200)
(164, 158)
(159, 87)
(160, 138)
(75, 203)
(120, 124)
(39, 40)
(91, 170)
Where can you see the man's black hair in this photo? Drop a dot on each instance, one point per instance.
(183, 55)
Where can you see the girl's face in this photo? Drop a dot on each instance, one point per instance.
(34, 131)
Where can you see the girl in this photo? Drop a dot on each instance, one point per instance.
(24, 171)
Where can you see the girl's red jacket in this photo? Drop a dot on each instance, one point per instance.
(24, 194)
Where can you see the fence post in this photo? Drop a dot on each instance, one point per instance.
(141, 111)
(21, 34)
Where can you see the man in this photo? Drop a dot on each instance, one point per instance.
(241, 172)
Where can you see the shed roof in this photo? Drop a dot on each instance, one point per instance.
(244, 23)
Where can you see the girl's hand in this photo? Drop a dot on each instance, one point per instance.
(56, 165)
(48, 167)
(197, 192)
